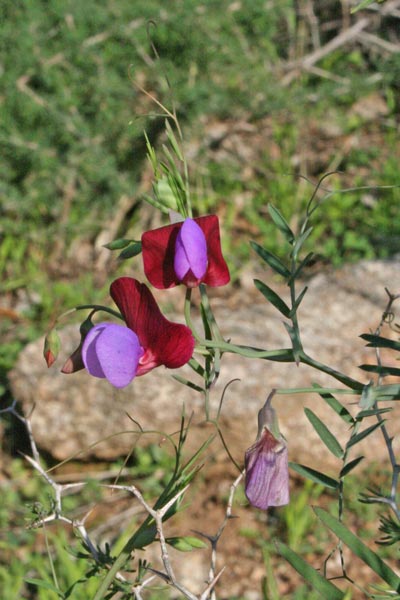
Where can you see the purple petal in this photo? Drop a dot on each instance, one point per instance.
(112, 351)
(267, 476)
(190, 251)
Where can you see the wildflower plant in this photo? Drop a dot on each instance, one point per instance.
(137, 338)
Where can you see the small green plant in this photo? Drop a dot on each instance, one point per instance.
(119, 344)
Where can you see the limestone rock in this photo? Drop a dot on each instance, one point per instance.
(80, 414)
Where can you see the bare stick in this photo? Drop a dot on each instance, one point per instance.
(340, 40)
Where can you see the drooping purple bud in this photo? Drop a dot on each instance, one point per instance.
(190, 260)
(266, 463)
(113, 352)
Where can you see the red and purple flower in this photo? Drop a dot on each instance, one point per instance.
(148, 340)
(187, 252)
(266, 463)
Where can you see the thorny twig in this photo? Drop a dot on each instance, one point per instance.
(158, 515)
(168, 576)
(137, 589)
(214, 539)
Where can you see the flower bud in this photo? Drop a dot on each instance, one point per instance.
(52, 345)
(266, 463)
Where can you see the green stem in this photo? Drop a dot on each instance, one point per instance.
(283, 355)
(318, 390)
(296, 329)
(348, 381)
(98, 307)
(207, 403)
(187, 189)
(144, 536)
(216, 334)
(188, 316)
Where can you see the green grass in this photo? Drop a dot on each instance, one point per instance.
(73, 118)
(72, 145)
(27, 553)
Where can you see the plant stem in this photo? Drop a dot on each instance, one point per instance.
(98, 307)
(345, 379)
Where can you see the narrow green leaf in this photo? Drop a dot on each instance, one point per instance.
(173, 175)
(130, 251)
(273, 261)
(169, 165)
(361, 5)
(296, 343)
(300, 241)
(315, 476)
(313, 577)
(155, 202)
(185, 543)
(337, 407)
(298, 301)
(196, 366)
(388, 392)
(306, 261)
(367, 555)
(355, 439)
(172, 140)
(188, 383)
(269, 586)
(151, 154)
(164, 193)
(350, 466)
(195, 542)
(272, 297)
(326, 436)
(381, 370)
(40, 583)
(281, 223)
(376, 341)
(372, 412)
(118, 244)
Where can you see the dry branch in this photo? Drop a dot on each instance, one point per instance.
(337, 42)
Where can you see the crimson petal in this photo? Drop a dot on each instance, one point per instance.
(164, 343)
(158, 247)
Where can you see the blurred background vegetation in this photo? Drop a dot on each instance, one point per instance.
(270, 95)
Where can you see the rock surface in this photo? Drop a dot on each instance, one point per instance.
(80, 414)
